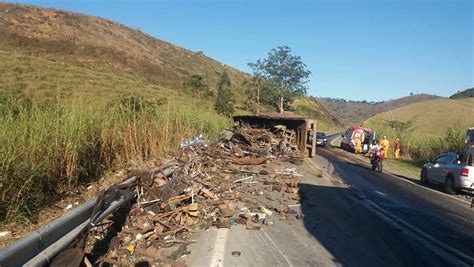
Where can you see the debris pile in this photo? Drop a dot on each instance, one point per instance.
(236, 179)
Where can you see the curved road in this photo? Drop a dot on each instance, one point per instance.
(352, 217)
(437, 223)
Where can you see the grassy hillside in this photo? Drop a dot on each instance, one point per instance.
(47, 80)
(427, 128)
(355, 112)
(309, 106)
(68, 56)
(104, 45)
(430, 118)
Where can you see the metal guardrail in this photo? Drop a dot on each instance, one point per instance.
(39, 247)
(42, 245)
(28, 247)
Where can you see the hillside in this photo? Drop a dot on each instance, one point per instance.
(430, 118)
(462, 94)
(65, 56)
(104, 45)
(309, 106)
(355, 112)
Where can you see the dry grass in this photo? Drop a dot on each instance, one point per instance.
(98, 43)
(48, 148)
(357, 112)
(431, 118)
(100, 46)
(428, 128)
(306, 106)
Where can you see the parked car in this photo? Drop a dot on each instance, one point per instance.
(321, 139)
(454, 171)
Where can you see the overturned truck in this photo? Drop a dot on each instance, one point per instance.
(297, 131)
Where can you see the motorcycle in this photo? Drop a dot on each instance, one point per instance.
(376, 159)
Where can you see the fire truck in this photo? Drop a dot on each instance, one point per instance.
(366, 136)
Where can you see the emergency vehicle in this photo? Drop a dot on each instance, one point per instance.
(366, 136)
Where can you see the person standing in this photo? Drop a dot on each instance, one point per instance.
(385, 146)
(396, 152)
(358, 145)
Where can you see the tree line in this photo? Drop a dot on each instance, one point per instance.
(462, 94)
(276, 81)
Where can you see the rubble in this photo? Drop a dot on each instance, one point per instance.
(207, 183)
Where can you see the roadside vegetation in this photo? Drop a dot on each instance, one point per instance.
(428, 128)
(421, 148)
(48, 148)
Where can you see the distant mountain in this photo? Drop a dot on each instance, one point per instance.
(462, 94)
(356, 112)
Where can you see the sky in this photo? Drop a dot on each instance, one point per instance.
(356, 49)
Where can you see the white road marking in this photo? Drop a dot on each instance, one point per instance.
(432, 190)
(438, 247)
(272, 250)
(217, 259)
(276, 247)
(415, 184)
(435, 245)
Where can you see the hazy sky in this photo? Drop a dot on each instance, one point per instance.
(372, 49)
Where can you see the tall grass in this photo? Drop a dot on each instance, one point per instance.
(422, 148)
(49, 148)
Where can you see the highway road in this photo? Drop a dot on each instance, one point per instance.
(352, 217)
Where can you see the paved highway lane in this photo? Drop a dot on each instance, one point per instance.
(442, 223)
(352, 217)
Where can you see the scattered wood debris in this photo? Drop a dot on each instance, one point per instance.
(232, 180)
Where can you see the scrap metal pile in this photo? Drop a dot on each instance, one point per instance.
(236, 179)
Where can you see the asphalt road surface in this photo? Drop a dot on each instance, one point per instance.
(353, 216)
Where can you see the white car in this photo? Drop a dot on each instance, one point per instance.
(450, 169)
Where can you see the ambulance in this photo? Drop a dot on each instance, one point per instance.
(366, 136)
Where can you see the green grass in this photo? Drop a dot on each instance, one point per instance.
(47, 148)
(404, 167)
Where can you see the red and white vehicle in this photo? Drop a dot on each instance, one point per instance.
(365, 135)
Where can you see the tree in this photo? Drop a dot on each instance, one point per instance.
(286, 72)
(254, 88)
(197, 83)
(224, 101)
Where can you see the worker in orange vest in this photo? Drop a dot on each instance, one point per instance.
(357, 145)
(396, 152)
(385, 146)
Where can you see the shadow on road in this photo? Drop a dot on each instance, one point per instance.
(352, 234)
(434, 186)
